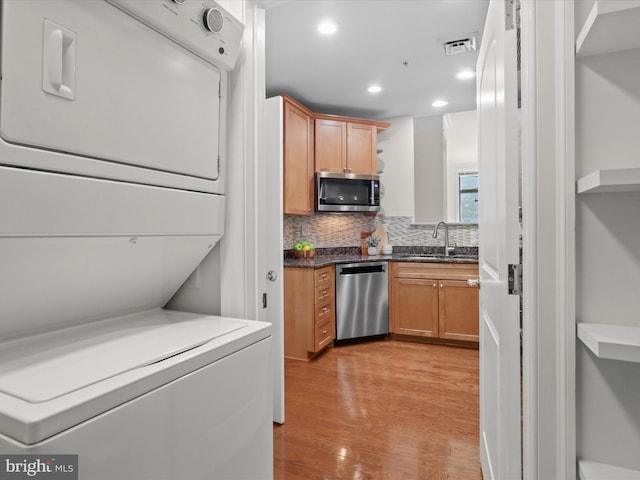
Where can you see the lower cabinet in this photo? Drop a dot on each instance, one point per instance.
(434, 300)
(309, 311)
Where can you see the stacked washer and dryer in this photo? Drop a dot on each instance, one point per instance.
(112, 123)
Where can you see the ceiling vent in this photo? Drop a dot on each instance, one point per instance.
(465, 44)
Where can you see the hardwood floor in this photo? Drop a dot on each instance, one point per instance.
(381, 410)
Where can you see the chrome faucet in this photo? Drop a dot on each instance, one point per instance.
(446, 237)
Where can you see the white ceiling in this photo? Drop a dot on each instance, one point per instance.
(330, 74)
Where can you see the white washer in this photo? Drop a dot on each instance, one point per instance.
(112, 129)
(149, 396)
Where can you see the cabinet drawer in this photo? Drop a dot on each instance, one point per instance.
(324, 293)
(447, 271)
(324, 311)
(323, 276)
(323, 334)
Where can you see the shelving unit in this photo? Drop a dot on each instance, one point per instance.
(610, 180)
(612, 26)
(613, 342)
(601, 471)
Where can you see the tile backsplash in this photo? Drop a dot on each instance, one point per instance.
(328, 230)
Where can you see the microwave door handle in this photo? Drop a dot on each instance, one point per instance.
(373, 192)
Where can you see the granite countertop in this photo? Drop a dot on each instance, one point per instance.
(329, 256)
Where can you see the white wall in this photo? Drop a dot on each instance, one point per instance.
(200, 293)
(238, 252)
(548, 240)
(428, 169)
(397, 177)
(461, 154)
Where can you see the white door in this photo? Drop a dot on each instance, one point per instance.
(270, 232)
(499, 232)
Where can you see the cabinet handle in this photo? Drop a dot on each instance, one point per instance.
(325, 310)
(435, 285)
(324, 332)
(474, 282)
(441, 286)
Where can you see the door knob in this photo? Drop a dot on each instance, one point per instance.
(272, 276)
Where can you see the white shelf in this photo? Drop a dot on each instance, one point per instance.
(611, 180)
(612, 342)
(601, 471)
(612, 26)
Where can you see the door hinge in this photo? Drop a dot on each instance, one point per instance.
(515, 279)
(510, 13)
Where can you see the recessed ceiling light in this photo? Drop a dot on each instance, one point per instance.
(439, 103)
(374, 89)
(327, 28)
(465, 74)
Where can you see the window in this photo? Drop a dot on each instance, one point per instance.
(468, 197)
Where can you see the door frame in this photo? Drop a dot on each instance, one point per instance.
(548, 132)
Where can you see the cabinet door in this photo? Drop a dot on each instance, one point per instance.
(361, 148)
(298, 161)
(299, 312)
(459, 310)
(415, 307)
(331, 145)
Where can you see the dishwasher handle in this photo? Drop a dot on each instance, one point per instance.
(379, 268)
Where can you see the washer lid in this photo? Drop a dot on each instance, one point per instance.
(43, 375)
(51, 382)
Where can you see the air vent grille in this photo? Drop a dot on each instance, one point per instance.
(463, 45)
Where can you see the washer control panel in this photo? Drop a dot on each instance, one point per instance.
(202, 26)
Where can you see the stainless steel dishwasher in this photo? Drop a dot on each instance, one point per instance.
(362, 300)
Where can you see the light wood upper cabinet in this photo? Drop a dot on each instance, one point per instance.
(346, 145)
(361, 148)
(434, 300)
(298, 164)
(317, 142)
(331, 145)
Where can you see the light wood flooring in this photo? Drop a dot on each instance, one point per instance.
(383, 409)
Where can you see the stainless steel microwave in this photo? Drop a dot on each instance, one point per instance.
(347, 192)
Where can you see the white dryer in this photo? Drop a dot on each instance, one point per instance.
(112, 130)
